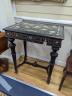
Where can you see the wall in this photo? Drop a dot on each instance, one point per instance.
(6, 19)
(44, 9)
(47, 10)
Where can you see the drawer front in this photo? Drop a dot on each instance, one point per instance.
(36, 39)
(53, 42)
(31, 38)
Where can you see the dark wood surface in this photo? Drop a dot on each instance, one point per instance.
(38, 32)
(67, 70)
(3, 42)
(3, 47)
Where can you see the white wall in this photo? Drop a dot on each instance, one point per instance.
(6, 19)
(44, 9)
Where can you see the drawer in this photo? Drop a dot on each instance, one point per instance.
(53, 42)
(36, 39)
(30, 38)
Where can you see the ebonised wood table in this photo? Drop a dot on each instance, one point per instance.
(38, 32)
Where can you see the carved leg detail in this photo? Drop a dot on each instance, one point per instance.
(12, 46)
(25, 50)
(53, 54)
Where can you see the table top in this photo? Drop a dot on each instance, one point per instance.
(38, 28)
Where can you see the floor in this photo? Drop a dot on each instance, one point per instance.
(38, 77)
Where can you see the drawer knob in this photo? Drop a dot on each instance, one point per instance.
(30, 37)
(56, 42)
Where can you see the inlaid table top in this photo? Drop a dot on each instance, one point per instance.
(38, 28)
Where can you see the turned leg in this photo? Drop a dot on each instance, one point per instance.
(53, 54)
(12, 46)
(25, 50)
(63, 78)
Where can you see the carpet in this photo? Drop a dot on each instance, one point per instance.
(14, 87)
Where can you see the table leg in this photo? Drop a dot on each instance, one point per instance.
(53, 54)
(25, 50)
(12, 46)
